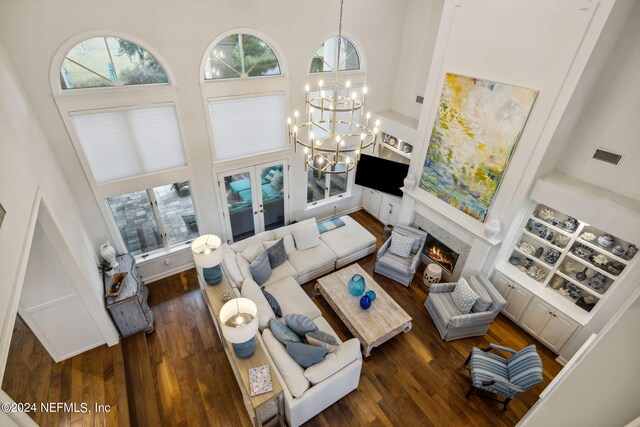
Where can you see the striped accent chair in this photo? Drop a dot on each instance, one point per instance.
(505, 377)
(451, 323)
(401, 269)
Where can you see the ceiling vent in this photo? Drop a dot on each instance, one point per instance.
(607, 156)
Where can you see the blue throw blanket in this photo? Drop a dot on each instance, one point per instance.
(330, 224)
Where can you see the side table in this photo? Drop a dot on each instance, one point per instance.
(265, 409)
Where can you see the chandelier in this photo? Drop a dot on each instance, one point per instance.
(334, 129)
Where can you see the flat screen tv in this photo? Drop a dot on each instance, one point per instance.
(381, 174)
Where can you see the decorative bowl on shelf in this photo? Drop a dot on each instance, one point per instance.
(606, 240)
(583, 251)
(537, 227)
(597, 281)
(617, 250)
(615, 267)
(587, 236)
(514, 260)
(570, 224)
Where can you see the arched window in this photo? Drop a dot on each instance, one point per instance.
(325, 59)
(109, 61)
(241, 56)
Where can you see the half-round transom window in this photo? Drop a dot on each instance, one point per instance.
(327, 57)
(240, 56)
(109, 61)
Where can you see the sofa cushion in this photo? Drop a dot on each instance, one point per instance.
(396, 262)
(300, 324)
(292, 373)
(251, 252)
(273, 302)
(463, 296)
(308, 260)
(230, 264)
(283, 270)
(243, 266)
(322, 339)
(293, 299)
(484, 301)
(347, 240)
(258, 238)
(444, 306)
(306, 355)
(252, 291)
(260, 268)
(401, 244)
(277, 253)
(334, 362)
(282, 332)
(283, 231)
(306, 236)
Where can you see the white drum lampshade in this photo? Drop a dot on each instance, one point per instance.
(208, 254)
(239, 319)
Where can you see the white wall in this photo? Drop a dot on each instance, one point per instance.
(610, 117)
(542, 45)
(603, 387)
(420, 29)
(180, 33)
(28, 171)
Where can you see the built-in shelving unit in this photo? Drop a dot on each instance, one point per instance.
(397, 137)
(578, 262)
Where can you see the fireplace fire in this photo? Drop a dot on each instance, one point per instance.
(440, 253)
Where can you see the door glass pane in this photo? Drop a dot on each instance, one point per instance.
(238, 192)
(316, 182)
(176, 209)
(272, 185)
(135, 220)
(337, 182)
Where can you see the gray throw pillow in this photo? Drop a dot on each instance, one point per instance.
(282, 332)
(277, 253)
(306, 355)
(322, 339)
(300, 324)
(463, 296)
(401, 245)
(260, 268)
(273, 302)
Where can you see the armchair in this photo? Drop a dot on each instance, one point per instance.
(451, 323)
(398, 268)
(505, 377)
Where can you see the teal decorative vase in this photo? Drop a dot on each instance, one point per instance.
(356, 285)
(371, 295)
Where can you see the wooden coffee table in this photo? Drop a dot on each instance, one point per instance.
(381, 322)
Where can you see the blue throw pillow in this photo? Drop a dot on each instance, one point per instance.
(277, 254)
(260, 268)
(322, 339)
(306, 355)
(282, 332)
(300, 324)
(273, 302)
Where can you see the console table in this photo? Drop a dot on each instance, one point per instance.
(129, 310)
(265, 409)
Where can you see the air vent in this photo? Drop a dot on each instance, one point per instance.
(419, 99)
(607, 156)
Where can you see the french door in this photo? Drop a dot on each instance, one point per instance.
(254, 199)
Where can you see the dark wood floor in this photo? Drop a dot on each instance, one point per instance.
(414, 379)
(96, 376)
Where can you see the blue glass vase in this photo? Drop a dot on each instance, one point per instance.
(365, 302)
(371, 295)
(356, 285)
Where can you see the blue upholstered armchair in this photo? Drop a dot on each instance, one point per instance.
(505, 377)
(396, 267)
(451, 323)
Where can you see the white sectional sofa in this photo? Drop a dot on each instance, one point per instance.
(306, 391)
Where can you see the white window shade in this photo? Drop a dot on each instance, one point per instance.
(247, 126)
(122, 144)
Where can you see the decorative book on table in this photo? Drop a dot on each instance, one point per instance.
(260, 380)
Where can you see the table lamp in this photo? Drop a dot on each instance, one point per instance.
(239, 319)
(208, 254)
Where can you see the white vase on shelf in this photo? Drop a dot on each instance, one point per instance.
(492, 228)
(109, 254)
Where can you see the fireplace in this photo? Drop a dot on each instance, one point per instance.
(440, 253)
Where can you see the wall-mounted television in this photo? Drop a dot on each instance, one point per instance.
(381, 174)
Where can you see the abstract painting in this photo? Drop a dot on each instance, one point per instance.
(476, 130)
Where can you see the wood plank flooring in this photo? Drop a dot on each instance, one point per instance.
(96, 376)
(415, 379)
